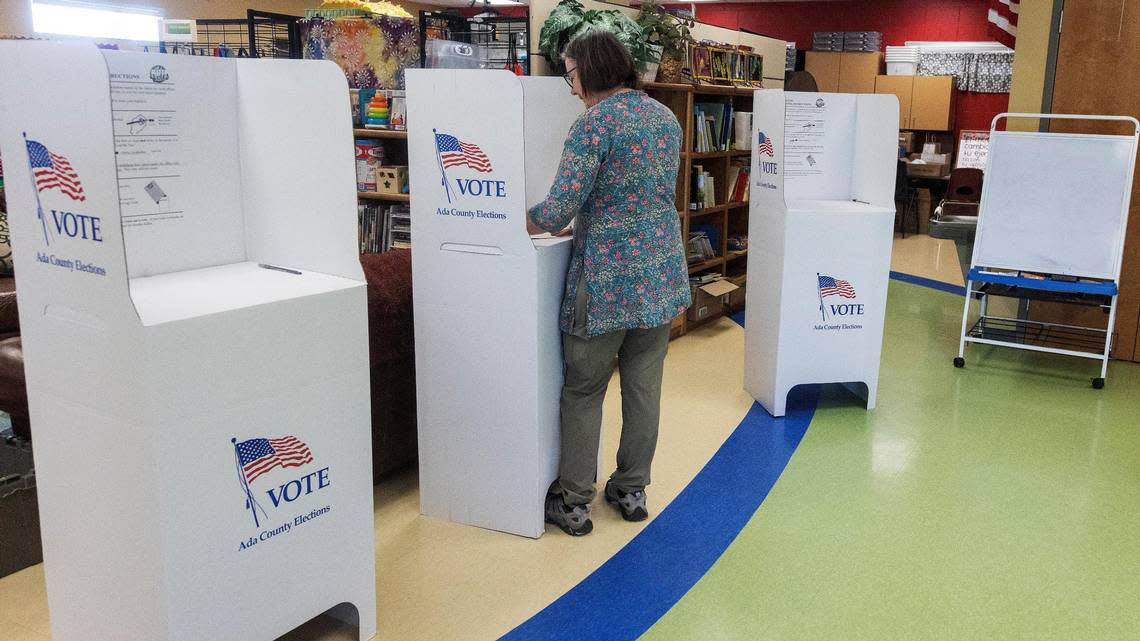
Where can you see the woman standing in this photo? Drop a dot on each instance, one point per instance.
(627, 277)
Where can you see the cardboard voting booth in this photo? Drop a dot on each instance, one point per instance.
(820, 228)
(482, 147)
(194, 327)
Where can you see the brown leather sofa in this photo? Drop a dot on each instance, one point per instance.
(391, 351)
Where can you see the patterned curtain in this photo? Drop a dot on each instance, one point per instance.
(989, 72)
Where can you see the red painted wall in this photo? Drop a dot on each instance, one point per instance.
(897, 20)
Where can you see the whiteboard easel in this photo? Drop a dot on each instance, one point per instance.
(1054, 205)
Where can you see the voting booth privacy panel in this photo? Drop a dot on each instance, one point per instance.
(202, 422)
(820, 228)
(483, 146)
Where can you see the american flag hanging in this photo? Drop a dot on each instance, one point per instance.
(830, 286)
(453, 152)
(52, 170)
(764, 145)
(1003, 20)
(260, 455)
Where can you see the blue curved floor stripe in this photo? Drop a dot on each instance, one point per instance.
(928, 282)
(639, 584)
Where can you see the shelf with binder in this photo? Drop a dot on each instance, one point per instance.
(387, 151)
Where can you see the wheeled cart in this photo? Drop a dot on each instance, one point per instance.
(1051, 228)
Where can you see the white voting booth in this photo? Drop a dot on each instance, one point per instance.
(819, 229)
(201, 421)
(483, 146)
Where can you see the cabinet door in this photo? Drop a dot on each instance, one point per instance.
(857, 72)
(932, 103)
(824, 67)
(901, 86)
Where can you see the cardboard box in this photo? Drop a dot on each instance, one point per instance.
(927, 170)
(391, 180)
(925, 209)
(907, 142)
(709, 300)
(735, 299)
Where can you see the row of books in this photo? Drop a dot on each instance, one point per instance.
(384, 227)
(738, 181)
(700, 247)
(712, 126)
(704, 242)
(702, 191)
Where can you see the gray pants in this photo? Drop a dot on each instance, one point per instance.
(589, 364)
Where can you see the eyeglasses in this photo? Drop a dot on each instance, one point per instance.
(566, 77)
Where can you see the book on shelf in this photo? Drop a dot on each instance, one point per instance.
(384, 227)
(702, 194)
(738, 180)
(712, 120)
(700, 247)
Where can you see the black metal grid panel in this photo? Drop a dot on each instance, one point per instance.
(273, 36)
(505, 40)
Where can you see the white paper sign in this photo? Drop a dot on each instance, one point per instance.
(973, 150)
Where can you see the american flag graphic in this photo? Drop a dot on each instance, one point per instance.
(454, 152)
(260, 455)
(764, 144)
(1003, 21)
(51, 170)
(830, 286)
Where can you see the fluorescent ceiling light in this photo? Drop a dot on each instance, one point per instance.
(96, 20)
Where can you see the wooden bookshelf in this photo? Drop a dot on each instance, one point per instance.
(392, 198)
(395, 144)
(383, 134)
(729, 218)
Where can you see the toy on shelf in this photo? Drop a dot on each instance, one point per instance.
(377, 112)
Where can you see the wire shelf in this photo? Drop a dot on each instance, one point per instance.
(1038, 334)
(273, 35)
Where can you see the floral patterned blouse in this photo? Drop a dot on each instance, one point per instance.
(618, 176)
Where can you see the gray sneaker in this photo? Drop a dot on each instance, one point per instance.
(573, 520)
(631, 504)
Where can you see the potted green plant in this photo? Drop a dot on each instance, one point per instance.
(570, 19)
(671, 33)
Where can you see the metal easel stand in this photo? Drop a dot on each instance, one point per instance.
(1053, 338)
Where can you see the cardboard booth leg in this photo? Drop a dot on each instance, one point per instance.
(202, 421)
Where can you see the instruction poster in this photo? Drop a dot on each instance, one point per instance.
(973, 149)
(176, 155)
(818, 144)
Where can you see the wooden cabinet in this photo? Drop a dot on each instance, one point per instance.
(846, 72)
(901, 86)
(925, 102)
(824, 67)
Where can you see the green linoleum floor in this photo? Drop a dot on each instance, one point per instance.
(1001, 501)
